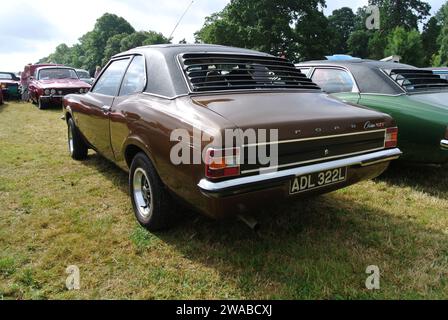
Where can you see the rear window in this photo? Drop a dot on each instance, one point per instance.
(417, 80)
(218, 72)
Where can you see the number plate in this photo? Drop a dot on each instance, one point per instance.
(317, 180)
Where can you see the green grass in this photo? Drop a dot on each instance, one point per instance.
(55, 212)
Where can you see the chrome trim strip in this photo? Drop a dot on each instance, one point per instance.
(362, 160)
(310, 161)
(444, 144)
(314, 138)
(53, 96)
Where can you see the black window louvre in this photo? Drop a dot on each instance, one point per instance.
(412, 80)
(218, 72)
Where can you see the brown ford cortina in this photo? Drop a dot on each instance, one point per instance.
(226, 130)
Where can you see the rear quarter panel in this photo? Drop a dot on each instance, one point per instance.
(421, 127)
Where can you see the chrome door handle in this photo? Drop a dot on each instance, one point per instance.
(106, 108)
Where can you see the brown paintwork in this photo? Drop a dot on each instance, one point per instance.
(146, 122)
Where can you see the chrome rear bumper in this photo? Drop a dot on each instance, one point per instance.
(362, 160)
(444, 144)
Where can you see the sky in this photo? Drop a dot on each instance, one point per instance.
(31, 29)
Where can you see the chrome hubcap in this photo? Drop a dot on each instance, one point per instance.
(142, 193)
(70, 140)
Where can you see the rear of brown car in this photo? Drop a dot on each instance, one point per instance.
(321, 144)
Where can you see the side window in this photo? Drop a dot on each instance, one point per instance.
(109, 82)
(333, 80)
(135, 79)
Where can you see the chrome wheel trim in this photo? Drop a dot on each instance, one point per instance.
(70, 140)
(142, 193)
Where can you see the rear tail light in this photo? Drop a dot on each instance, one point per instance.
(222, 163)
(391, 140)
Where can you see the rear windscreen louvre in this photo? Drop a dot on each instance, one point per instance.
(217, 72)
(414, 80)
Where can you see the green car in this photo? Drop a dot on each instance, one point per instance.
(416, 98)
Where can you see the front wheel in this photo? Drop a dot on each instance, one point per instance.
(42, 104)
(150, 200)
(76, 146)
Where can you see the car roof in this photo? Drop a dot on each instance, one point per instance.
(55, 67)
(366, 63)
(162, 63)
(368, 74)
(176, 49)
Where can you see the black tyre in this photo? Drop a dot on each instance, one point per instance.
(76, 145)
(42, 104)
(150, 199)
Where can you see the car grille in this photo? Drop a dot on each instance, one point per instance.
(65, 91)
(304, 151)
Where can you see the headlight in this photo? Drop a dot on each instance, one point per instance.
(47, 92)
(86, 90)
(81, 90)
(53, 91)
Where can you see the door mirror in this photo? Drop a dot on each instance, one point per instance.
(31, 78)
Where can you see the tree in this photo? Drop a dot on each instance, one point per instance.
(113, 47)
(441, 59)
(377, 45)
(342, 23)
(431, 32)
(95, 41)
(263, 25)
(401, 13)
(407, 44)
(314, 37)
(111, 35)
(358, 43)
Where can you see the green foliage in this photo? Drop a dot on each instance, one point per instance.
(342, 22)
(313, 28)
(431, 32)
(441, 59)
(407, 44)
(264, 25)
(377, 45)
(402, 13)
(111, 35)
(358, 43)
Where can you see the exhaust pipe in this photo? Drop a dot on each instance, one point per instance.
(250, 222)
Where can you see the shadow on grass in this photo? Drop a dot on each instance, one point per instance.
(428, 179)
(109, 170)
(317, 248)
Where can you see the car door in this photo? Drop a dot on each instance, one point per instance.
(127, 103)
(94, 120)
(336, 81)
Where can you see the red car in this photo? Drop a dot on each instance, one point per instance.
(50, 84)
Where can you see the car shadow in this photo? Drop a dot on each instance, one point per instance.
(428, 179)
(303, 248)
(109, 170)
(312, 249)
